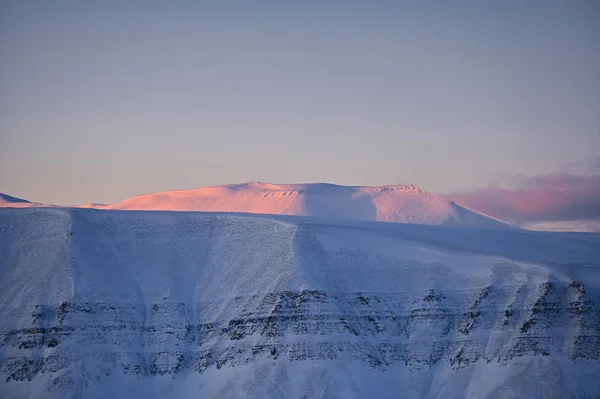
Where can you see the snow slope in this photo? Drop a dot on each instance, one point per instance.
(7, 201)
(400, 204)
(102, 304)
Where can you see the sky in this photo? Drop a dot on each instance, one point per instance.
(100, 101)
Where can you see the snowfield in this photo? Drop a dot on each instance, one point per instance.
(107, 303)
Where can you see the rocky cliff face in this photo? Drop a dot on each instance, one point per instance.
(316, 311)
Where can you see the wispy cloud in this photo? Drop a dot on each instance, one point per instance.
(594, 165)
(542, 198)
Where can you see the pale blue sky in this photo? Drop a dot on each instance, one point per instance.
(103, 101)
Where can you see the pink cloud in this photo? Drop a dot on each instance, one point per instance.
(550, 197)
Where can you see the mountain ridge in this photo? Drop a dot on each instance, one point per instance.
(388, 203)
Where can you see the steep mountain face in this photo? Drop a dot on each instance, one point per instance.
(168, 304)
(400, 204)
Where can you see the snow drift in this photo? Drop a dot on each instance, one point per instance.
(102, 304)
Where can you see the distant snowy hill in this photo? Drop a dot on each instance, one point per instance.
(14, 202)
(107, 304)
(400, 204)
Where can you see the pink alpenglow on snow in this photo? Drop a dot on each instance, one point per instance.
(8, 201)
(399, 204)
(396, 204)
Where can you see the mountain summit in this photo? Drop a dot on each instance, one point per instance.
(399, 204)
(396, 204)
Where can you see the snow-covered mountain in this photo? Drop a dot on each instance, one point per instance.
(400, 204)
(7, 201)
(100, 304)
